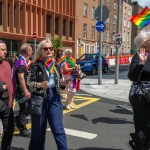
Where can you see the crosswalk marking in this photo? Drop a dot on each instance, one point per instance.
(78, 133)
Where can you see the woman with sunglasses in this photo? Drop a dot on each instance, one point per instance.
(45, 80)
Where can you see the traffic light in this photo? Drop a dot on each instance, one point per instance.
(118, 39)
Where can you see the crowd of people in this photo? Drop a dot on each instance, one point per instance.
(36, 85)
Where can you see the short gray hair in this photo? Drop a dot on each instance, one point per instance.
(24, 48)
(67, 51)
(141, 38)
(40, 46)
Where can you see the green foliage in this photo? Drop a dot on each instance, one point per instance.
(57, 43)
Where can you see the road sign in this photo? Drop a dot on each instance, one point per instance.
(105, 14)
(118, 39)
(100, 26)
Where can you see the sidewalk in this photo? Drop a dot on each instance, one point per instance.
(108, 89)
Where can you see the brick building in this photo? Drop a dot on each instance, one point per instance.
(86, 34)
(48, 18)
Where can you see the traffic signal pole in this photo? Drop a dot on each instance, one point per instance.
(117, 47)
(100, 48)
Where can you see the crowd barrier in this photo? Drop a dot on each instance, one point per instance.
(123, 59)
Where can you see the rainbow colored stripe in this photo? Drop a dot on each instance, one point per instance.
(49, 63)
(142, 19)
(61, 61)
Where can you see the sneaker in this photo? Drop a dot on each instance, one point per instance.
(72, 106)
(24, 133)
(67, 105)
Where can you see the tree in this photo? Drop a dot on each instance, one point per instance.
(57, 43)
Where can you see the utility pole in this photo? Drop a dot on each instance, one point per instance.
(100, 48)
(117, 47)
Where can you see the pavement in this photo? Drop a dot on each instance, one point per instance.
(108, 88)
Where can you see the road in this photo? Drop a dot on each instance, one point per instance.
(97, 123)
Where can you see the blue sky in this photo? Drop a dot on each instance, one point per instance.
(144, 3)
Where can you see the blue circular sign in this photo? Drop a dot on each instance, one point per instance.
(100, 26)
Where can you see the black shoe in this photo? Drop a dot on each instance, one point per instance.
(24, 133)
(132, 145)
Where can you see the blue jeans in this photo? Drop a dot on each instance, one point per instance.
(53, 111)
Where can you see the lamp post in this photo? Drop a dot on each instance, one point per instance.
(117, 47)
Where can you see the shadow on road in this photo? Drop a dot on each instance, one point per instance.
(122, 111)
(83, 117)
(95, 148)
(111, 120)
(16, 148)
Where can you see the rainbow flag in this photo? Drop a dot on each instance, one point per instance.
(142, 19)
(61, 61)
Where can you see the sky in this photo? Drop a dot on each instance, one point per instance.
(144, 3)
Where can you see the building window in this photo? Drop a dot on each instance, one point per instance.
(84, 31)
(56, 25)
(115, 5)
(93, 33)
(124, 22)
(125, 10)
(129, 12)
(14, 16)
(64, 27)
(93, 12)
(124, 36)
(1, 12)
(107, 35)
(128, 37)
(108, 2)
(114, 19)
(87, 48)
(85, 10)
(107, 20)
(92, 49)
(128, 24)
(48, 23)
(70, 29)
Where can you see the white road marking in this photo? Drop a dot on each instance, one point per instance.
(78, 133)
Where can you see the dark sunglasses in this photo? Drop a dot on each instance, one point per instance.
(48, 48)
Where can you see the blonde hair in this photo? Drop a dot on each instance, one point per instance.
(141, 39)
(40, 46)
(68, 51)
(24, 48)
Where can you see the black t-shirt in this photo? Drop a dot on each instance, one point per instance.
(21, 69)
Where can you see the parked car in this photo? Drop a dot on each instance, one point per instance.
(89, 63)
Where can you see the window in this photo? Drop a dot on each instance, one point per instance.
(124, 36)
(84, 31)
(107, 35)
(115, 5)
(56, 25)
(1, 12)
(128, 37)
(128, 24)
(14, 16)
(125, 10)
(114, 19)
(93, 33)
(129, 12)
(93, 12)
(85, 10)
(70, 29)
(107, 20)
(87, 48)
(124, 22)
(64, 27)
(108, 2)
(92, 49)
(48, 22)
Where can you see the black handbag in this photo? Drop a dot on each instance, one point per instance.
(146, 91)
(35, 105)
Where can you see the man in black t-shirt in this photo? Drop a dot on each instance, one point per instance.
(22, 94)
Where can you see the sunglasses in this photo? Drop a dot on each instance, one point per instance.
(48, 48)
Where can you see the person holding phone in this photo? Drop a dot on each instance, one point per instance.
(44, 80)
(139, 74)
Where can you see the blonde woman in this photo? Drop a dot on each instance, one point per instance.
(44, 81)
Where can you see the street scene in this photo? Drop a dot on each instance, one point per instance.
(97, 123)
(74, 75)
